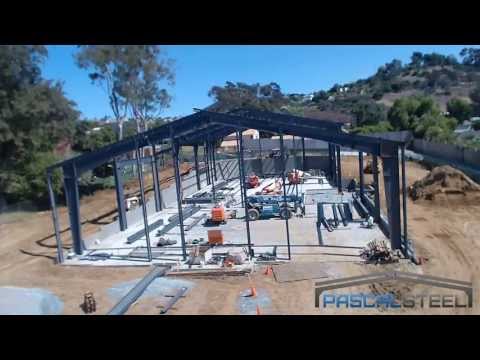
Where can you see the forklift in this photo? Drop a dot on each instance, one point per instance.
(268, 206)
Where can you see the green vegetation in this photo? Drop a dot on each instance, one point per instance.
(130, 75)
(459, 109)
(382, 126)
(35, 116)
(420, 114)
(267, 97)
(39, 125)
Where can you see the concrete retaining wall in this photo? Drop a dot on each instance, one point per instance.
(472, 158)
(448, 152)
(270, 144)
(274, 166)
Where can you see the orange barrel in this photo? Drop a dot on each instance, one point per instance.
(215, 237)
(218, 214)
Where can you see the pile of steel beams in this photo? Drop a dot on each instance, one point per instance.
(141, 233)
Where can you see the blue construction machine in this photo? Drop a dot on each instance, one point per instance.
(268, 206)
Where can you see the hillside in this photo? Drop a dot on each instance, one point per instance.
(440, 77)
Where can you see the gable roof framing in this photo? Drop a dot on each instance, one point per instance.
(205, 125)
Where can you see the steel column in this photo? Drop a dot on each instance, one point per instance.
(240, 176)
(178, 187)
(156, 185)
(214, 161)
(392, 196)
(339, 170)
(377, 190)
(295, 161)
(210, 160)
(303, 154)
(404, 197)
(73, 204)
(197, 174)
(207, 163)
(122, 217)
(56, 226)
(155, 164)
(329, 172)
(247, 221)
(360, 173)
(282, 152)
(294, 152)
(260, 154)
(334, 166)
(144, 205)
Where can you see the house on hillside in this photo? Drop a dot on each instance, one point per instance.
(466, 126)
(229, 143)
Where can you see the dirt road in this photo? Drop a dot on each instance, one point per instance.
(445, 232)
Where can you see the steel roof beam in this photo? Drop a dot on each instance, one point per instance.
(370, 145)
(287, 118)
(187, 125)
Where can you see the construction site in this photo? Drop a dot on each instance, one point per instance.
(252, 229)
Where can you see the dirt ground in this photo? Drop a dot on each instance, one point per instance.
(445, 232)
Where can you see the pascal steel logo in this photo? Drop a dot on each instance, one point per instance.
(369, 300)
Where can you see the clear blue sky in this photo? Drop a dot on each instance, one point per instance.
(297, 69)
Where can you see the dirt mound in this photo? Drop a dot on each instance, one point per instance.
(443, 180)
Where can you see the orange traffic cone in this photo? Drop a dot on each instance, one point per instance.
(268, 270)
(258, 310)
(253, 291)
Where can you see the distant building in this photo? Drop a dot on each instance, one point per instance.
(464, 127)
(285, 137)
(230, 142)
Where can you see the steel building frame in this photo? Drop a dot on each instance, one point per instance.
(206, 128)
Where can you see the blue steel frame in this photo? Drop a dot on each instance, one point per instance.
(192, 130)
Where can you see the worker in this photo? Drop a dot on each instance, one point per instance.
(369, 223)
(352, 185)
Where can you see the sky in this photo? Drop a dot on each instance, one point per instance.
(296, 68)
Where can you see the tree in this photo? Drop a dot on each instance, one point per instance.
(434, 127)
(471, 56)
(435, 59)
(334, 89)
(475, 94)
(130, 75)
(35, 116)
(416, 59)
(422, 115)
(90, 136)
(475, 97)
(267, 97)
(29, 180)
(406, 111)
(319, 96)
(459, 109)
(369, 113)
(382, 126)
